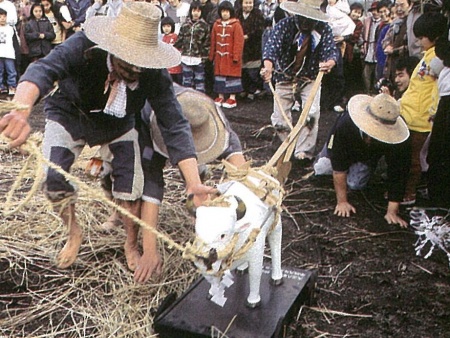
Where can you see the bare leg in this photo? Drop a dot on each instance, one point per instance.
(150, 261)
(112, 222)
(69, 253)
(132, 229)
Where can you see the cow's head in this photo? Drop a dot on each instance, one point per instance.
(216, 230)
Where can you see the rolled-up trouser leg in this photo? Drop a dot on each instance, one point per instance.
(60, 148)
(127, 175)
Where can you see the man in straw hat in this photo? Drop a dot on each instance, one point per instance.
(371, 128)
(84, 109)
(298, 48)
(213, 139)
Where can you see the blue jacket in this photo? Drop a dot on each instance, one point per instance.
(281, 49)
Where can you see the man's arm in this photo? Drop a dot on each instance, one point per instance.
(194, 185)
(343, 208)
(267, 70)
(15, 124)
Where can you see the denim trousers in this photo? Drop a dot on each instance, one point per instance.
(8, 65)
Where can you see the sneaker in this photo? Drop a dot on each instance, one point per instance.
(3, 91)
(257, 92)
(251, 96)
(218, 101)
(12, 91)
(229, 103)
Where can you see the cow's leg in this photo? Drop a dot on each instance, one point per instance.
(215, 285)
(243, 268)
(255, 265)
(274, 239)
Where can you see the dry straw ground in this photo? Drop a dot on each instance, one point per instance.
(97, 296)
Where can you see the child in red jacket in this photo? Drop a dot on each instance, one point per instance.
(227, 45)
(169, 36)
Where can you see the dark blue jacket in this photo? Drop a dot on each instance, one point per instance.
(81, 71)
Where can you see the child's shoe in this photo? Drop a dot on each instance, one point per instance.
(218, 101)
(12, 91)
(230, 103)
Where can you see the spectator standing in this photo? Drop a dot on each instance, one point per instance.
(439, 148)
(169, 36)
(395, 42)
(384, 9)
(23, 15)
(368, 49)
(298, 48)
(352, 54)
(207, 8)
(7, 55)
(414, 47)
(227, 45)
(279, 14)
(98, 7)
(52, 16)
(179, 12)
(193, 42)
(267, 8)
(11, 10)
(77, 9)
(420, 100)
(252, 22)
(39, 33)
(342, 26)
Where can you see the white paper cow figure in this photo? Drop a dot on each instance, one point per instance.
(224, 230)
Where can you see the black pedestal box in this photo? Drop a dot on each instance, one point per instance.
(193, 315)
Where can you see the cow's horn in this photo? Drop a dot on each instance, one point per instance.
(190, 205)
(241, 208)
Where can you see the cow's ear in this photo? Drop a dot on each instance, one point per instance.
(191, 206)
(241, 208)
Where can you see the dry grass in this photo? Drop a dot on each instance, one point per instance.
(96, 297)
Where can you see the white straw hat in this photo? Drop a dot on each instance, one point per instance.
(210, 135)
(133, 36)
(378, 117)
(307, 8)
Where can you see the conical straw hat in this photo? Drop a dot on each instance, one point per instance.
(133, 36)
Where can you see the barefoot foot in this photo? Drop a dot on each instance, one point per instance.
(132, 255)
(112, 222)
(69, 253)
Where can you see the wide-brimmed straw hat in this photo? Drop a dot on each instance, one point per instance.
(378, 117)
(210, 135)
(307, 8)
(133, 36)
